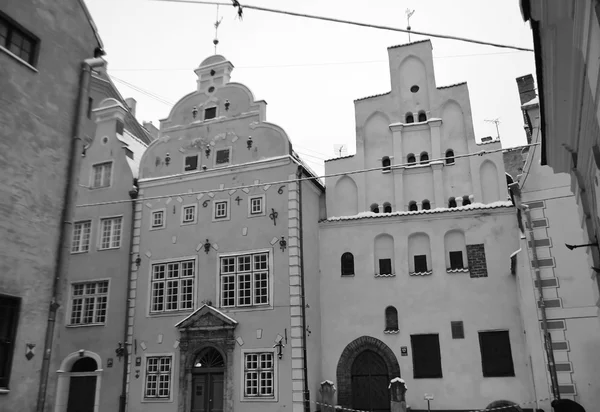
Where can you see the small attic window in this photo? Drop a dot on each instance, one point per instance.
(414, 89)
(128, 153)
(409, 118)
(422, 116)
(210, 113)
(411, 159)
(191, 163)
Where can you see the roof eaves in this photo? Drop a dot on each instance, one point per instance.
(409, 44)
(370, 97)
(451, 85)
(338, 158)
(91, 21)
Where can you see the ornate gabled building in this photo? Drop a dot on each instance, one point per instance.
(223, 302)
(415, 280)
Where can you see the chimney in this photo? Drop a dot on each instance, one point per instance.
(131, 103)
(526, 88)
(151, 129)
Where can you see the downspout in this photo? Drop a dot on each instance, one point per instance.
(64, 237)
(302, 294)
(538, 278)
(133, 194)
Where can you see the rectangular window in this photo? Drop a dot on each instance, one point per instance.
(89, 302)
(158, 377)
(456, 260)
(221, 209)
(458, 330)
(256, 205)
(259, 375)
(222, 157)
(420, 263)
(9, 318)
(89, 107)
(210, 113)
(129, 153)
(110, 233)
(101, 174)
(245, 280)
(496, 355)
(158, 219)
(191, 163)
(427, 360)
(189, 214)
(18, 40)
(81, 237)
(385, 266)
(172, 286)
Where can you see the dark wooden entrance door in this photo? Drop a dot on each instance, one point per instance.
(82, 394)
(370, 381)
(207, 393)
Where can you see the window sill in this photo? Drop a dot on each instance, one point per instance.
(157, 400)
(383, 275)
(221, 219)
(259, 399)
(428, 377)
(391, 331)
(257, 214)
(386, 171)
(157, 228)
(80, 252)
(244, 308)
(109, 248)
(85, 325)
(461, 270)
(429, 272)
(348, 275)
(188, 223)
(170, 313)
(4, 391)
(20, 60)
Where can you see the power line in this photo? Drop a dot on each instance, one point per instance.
(313, 178)
(331, 19)
(143, 91)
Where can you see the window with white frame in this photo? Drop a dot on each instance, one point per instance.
(188, 214)
(259, 374)
(101, 175)
(245, 280)
(81, 237)
(223, 157)
(158, 377)
(89, 302)
(172, 286)
(158, 219)
(221, 209)
(256, 205)
(110, 233)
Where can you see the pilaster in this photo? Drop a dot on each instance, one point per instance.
(438, 184)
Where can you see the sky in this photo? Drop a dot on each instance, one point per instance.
(310, 72)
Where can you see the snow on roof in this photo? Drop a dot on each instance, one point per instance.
(532, 102)
(136, 146)
(472, 206)
(515, 252)
(398, 380)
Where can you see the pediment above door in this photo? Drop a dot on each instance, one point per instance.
(206, 318)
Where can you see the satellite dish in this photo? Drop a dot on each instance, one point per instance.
(340, 150)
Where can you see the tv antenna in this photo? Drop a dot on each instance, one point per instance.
(409, 13)
(217, 24)
(496, 122)
(340, 150)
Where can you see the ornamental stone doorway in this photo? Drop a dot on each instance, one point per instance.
(206, 361)
(364, 371)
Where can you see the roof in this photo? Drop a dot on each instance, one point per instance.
(409, 44)
(473, 206)
(497, 140)
(369, 97)
(338, 158)
(451, 85)
(86, 11)
(532, 102)
(136, 146)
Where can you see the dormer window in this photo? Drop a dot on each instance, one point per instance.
(191, 163)
(409, 118)
(411, 159)
(386, 164)
(210, 113)
(422, 116)
(424, 158)
(449, 157)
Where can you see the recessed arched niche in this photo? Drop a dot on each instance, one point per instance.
(384, 255)
(346, 197)
(456, 251)
(411, 72)
(490, 190)
(419, 254)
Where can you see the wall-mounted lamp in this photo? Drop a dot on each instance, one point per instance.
(249, 142)
(120, 351)
(227, 105)
(207, 246)
(138, 261)
(207, 151)
(282, 243)
(167, 159)
(194, 112)
(571, 247)
(279, 345)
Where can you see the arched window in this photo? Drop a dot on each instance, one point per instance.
(449, 157)
(452, 202)
(424, 158)
(375, 208)
(386, 164)
(425, 205)
(412, 206)
(84, 365)
(411, 159)
(391, 319)
(466, 200)
(387, 207)
(347, 264)
(422, 116)
(209, 358)
(410, 118)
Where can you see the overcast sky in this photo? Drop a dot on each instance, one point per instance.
(310, 72)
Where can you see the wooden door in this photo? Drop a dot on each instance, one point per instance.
(82, 394)
(207, 393)
(370, 381)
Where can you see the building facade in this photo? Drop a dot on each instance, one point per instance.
(415, 279)
(221, 317)
(41, 58)
(566, 38)
(564, 287)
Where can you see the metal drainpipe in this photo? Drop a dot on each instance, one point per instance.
(302, 294)
(133, 194)
(64, 238)
(538, 277)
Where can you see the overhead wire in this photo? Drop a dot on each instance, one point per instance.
(240, 7)
(311, 178)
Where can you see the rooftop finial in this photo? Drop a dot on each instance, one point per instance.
(409, 13)
(217, 24)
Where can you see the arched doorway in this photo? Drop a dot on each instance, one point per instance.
(208, 381)
(82, 385)
(370, 380)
